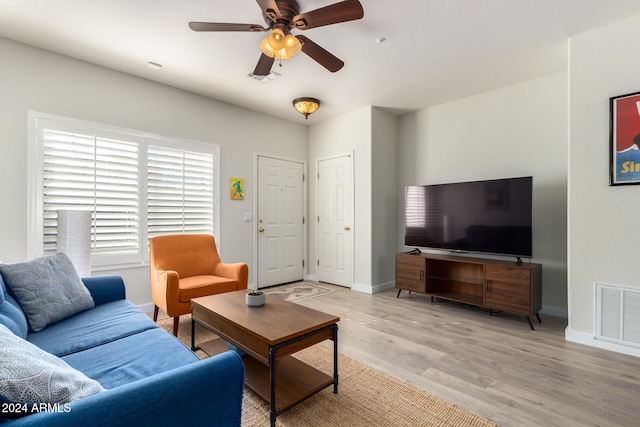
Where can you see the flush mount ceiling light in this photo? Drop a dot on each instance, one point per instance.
(306, 106)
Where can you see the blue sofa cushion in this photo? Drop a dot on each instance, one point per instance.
(104, 323)
(47, 288)
(11, 314)
(31, 376)
(132, 358)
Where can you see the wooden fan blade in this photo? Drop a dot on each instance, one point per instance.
(270, 9)
(219, 26)
(320, 55)
(344, 11)
(263, 67)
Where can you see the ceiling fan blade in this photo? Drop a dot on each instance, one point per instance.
(344, 11)
(270, 9)
(320, 55)
(263, 67)
(219, 26)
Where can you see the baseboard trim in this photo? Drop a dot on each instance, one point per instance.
(372, 289)
(587, 339)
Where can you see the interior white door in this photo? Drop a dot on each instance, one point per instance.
(335, 228)
(280, 221)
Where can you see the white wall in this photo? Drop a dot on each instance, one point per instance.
(371, 135)
(603, 221)
(384, 198)
(34, 79)
(518, 130)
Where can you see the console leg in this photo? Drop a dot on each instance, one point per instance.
(538, 316)
(530, 324)
(399, 290)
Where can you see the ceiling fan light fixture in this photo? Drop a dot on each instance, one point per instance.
(290, 45)
(276, 39)
(273, 43)
(266, 48)
(306, 106)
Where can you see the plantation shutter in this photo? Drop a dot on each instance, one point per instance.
(98, 174)
(135, 185)
(180, 190)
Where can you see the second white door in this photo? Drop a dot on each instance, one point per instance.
(335, 228)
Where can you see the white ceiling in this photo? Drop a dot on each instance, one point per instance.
(435, 51)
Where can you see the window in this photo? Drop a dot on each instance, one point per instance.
(136, 185)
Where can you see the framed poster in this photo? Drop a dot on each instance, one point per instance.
(236, 188)
(624, 135)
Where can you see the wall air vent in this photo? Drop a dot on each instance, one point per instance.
(618, 315)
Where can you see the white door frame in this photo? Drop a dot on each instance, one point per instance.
(354, 228)
(255, 224)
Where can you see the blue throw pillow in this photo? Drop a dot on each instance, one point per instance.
(31, 376)
(47, 288)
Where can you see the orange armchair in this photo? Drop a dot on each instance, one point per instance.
(185, 266)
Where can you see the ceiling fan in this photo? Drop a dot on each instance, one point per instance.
(281, 17)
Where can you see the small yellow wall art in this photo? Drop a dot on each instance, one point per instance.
(236, 188)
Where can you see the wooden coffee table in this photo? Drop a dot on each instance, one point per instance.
(269, 335)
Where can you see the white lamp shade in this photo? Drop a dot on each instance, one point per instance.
(74, 239)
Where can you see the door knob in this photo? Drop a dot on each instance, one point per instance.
(346, 227)
(261, 229)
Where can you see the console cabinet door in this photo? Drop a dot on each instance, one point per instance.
(410, 273)
(508, 289)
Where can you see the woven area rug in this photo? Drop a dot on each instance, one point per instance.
(366, 396)
(298, 291)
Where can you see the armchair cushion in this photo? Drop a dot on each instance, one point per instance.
(31, 376)
(47, 288)
(201, 286)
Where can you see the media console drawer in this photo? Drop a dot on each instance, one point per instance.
(507, 274)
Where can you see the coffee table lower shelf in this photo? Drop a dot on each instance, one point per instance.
(295, 380)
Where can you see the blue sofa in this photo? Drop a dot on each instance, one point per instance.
(150, 377)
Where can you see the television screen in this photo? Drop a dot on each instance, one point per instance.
(491, 216)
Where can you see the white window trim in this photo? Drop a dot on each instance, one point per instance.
(35, 245)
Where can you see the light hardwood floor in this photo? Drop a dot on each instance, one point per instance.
(493, 366)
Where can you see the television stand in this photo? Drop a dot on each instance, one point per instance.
(512, 287)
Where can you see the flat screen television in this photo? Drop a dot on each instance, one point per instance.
(492, 216)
